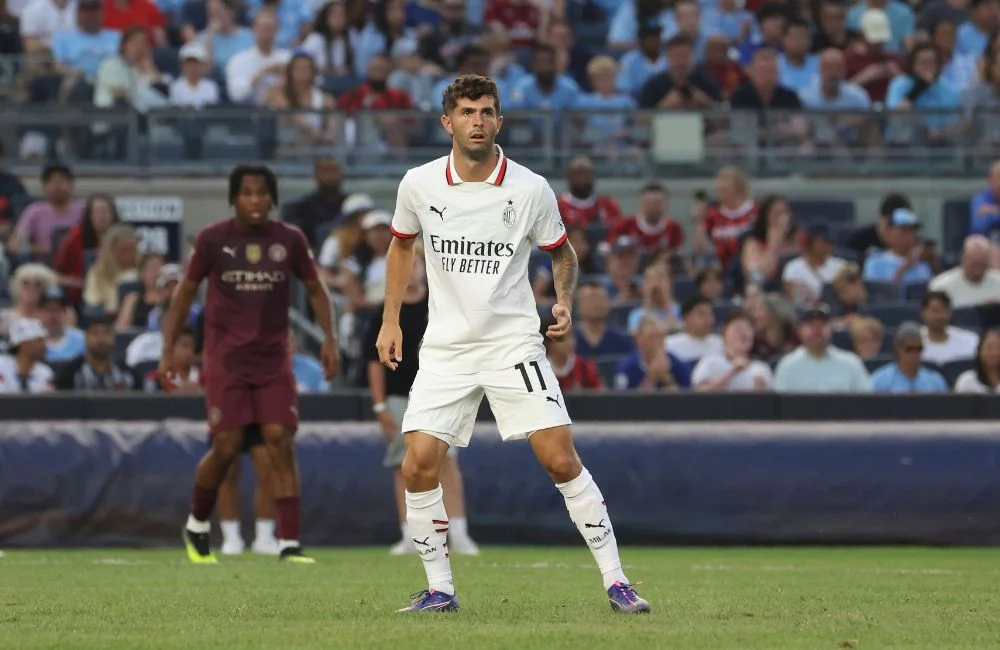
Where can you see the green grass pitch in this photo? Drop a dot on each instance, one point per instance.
(518, 598)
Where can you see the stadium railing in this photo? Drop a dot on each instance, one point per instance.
(622, 143)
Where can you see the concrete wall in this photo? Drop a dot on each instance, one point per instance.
(205, 198)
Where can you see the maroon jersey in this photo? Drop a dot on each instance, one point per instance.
(583, 212)
(249, 275)
(665, 235)
(726, 228)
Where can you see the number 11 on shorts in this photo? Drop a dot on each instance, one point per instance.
(527, 380)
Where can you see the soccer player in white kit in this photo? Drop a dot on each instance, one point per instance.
(480, 213)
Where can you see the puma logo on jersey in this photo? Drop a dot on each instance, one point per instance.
(549, 398)
(438, 212)
(231, 252)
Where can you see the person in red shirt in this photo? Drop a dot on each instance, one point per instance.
(519, 19)
(119, 15)
(580, 205)
(69, 262)
(375, 95)
(719, 66)
(868, 64)
(726, 223)
(651, 227)
(574, 372)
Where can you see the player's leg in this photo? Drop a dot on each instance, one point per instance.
(264, 541)
(459, 540)
(527, 402)
(229, 511)
(209, 475)
(395, 452)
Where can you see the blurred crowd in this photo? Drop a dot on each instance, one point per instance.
(361, 57)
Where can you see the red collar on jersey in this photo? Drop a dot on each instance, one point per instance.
(496, 178)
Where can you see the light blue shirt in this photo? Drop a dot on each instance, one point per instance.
(309, 374)
(83, 51)
(839, 371)
(798, 78)
(889, 379)
(882, 267)
(636, 70)
(938, 96)
(605, 127)
(731, 24)
(969, 40)
(961, 73)
(70, 346)
(292, 15)
(989, 220)
(224, 46)
(662, 315)
(527, 94)
(849, 97)
(171, 8)
(901, 22)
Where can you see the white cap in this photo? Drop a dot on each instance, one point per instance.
(376, 218)
(875, 27)
(26, 329)
(356, 203)
(168, 273)
(193, 50)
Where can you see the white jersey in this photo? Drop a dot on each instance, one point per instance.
(477, 241)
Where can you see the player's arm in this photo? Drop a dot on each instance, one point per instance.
(177, 314)
(398, 267)
(305, 269)
(565, 273)
(549, 234)
(319, 300)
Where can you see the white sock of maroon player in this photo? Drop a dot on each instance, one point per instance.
(428, 527)
(289, 513)
(585, 504)
(202, 504)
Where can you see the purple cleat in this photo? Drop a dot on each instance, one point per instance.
(624, 600)
(429, 600)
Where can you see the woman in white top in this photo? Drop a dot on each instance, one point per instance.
(330, 44)
(299, 93)
(733, 371)
(130, 77)
(984, 378)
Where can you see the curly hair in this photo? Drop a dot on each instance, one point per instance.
(470, 86)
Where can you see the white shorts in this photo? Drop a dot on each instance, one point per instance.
(524, 399)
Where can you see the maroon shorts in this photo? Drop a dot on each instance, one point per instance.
(233, 403)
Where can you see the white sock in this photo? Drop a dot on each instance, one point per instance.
(428, 527)
(196, 526)
(459, 527)
(585, 504)
(264, 529)
(287, 543)
(231, 531)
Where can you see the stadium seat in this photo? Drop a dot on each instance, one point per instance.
(967, 317)
(122, 341)
(955, 221)
(953, 369)
(685, 288)
(829, 211)
(891, 314)
(842, 339)
(606, 367)
(888, 341)
(915, 292)
(881, 291)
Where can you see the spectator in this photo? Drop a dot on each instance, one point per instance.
(573, 371)
(867, 334)
(332, 43)
(122, 15)
(684, 85)
(309, 377)
(27, 286)
(762, 92)
(774, 325)
(138, 305)
(192, 89)
(170, 275)
(504, 66)
(687, 14)
(520, 19)
(224, 36)
(735, 21)
(804, 277)
(816, 366)
(769, 34)
(726, 223)
(984, 378)
(901, 264)
(643, 63)
(869, 64)
(58, 210)
(412, 75)
(696, 340)
(310, 123)
(96, 368)
(148, 345)
(831, 28)
(472, 59)
(78, 52)
(874, 238)
(720, 68)
(64, 341)
(973, 282)
(985, 206)
(544, 89)
(443, 42)
(115, 264)
(906, 375)
(390, 22)
(955, 11)
(850, 291)
(733, 370)
(23, 370)
(651, 229)
(13, 197)
(81, 240)
(944, 342)
(899, 21)
(831, 93)
(545, 294)
(657, 301)
(250, 73)
(797, 68)
(294, 19)
(623, 265)
(186, 376)
(960, 71)
(345, 237)
(594, 338)
(771, 238)
(131, 78)
(649, 366)
(607, 132)
(973, 35)
(40, 22)
(571, 58)
(364, 281)
(981, 102)
(920, 88)
(710, 283)
(580, 205)
(377, 132)
(323, 206)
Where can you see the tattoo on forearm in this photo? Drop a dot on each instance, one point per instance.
(565, 270)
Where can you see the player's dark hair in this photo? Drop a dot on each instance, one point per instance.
(470, 86)
(940, 296)
(242, 171)
(693, 303)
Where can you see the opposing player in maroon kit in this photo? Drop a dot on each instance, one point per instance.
(249, 261)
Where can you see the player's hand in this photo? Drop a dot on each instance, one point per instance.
(390, 428)
(563, 324)
(390, 345)
(330, 356)
(165, 373)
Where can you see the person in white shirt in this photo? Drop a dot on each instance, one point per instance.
(944, 342)
(22, 371)
(984, 378)
(480, 213)
(252, 72)
(697, 339)
(805, 276)
(733, 370)
(192, 89)
(42, 19)
(973, 282)
(816, 366)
